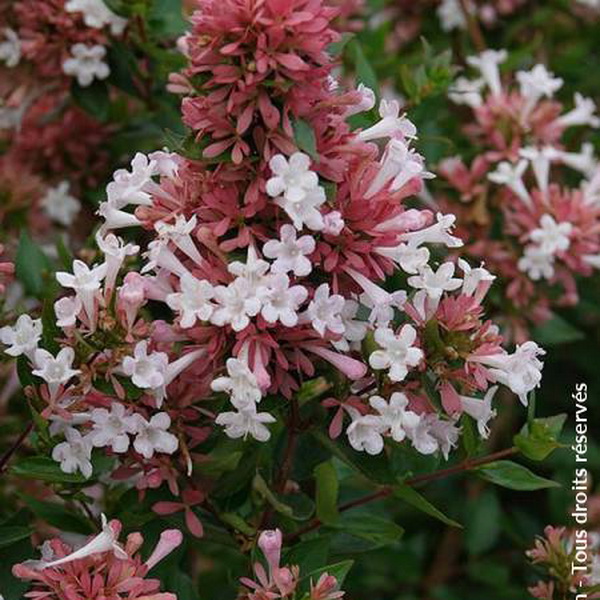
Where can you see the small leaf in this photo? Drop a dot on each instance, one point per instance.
(376, 530)
(482, 519)
(45, 469)
(557, 331)
(364, 71)
(327, 492)
(513, 476)
(31, 265)
(12, 534)
(538, 440)
(305, 139)
(338, 570)
(414, 498)
(94, 98)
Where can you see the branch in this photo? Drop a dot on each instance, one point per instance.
(18, 443)
(473, 27)
(466, 465)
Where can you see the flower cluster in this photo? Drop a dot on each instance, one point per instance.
(102, 569)
(518, 186)
(283, 582)
(266, 264)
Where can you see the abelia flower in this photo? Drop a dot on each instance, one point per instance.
(551, 237)
(147, 371)
(55, 370)
(111, 427)
(481, 410)
(435, 283)
(10, 48)
(97, 15)
(325, 311)
(395, 416)
(240, 384)
(487, 63)
(246, 421)
(23, 337)
(74, 454)
(398, 353)
(365, 433)
(292, 180)
(290, 253)
(152, 436)
(86, 64)
(60, 205)
(281, 301)
(193, 302)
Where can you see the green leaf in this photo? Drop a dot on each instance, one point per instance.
(166, 18)
(94, 98)
(58, 515)
(513, 476)
(9, 535)
(44, 469)
(414, 498)
(538, 440)
(557, 331)
(24, 371)
(305, 139)
(377, 530)
(364, 71)
(31, 266)
(482, 519)
(338, 570)
(327, 492)
(261, 486)
(309, 555)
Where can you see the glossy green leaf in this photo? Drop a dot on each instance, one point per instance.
(414, 498)
(327, 492)
(305, 139)
(508, 474)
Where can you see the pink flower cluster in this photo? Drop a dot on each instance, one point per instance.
(102, 569)
(269, 265)
(515, 210)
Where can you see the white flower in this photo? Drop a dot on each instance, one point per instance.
(582, 114)
(367, 101)
(253, 271)
(552, 237)
(111, 428)
(324, 311)
(152, 436)
(480, 410)
(160, 256)
(438, 233)
(115, 252)
(536, 263)
(23, 337)
(193, 302)
(473, 277)
(66, 310)
(446, 433)
(354, 330)
(55, 371)
(410, 257)
(180, 234)
(246, 422)
(422, 437)
(167, 163)
(451, 15)
(583, 161)
(512, 177)
(392, 124)
(86, 64)
(305, 212)
(240, 384)
(290, 253)
(236, 303)
(293, 180)
(487, 63)
(435, 283)
(10, 48)
(467, 91)
(394, 415)
(537, 83)
(59, 205)
(115, 218)
(280, 301)
(398, 352)
(147, 371)
(86, 283)
(129, 188)
(333, 223)
(520, 371)
(365, 433)
(74, 454)
(97, 15)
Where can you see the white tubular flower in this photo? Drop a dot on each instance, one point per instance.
(398, 352)
(236, 303)
(536, 263)
(292, 180)
(536, 84)
(438, 233)
(582, 114)
(115, 218)
(59, 205)
(86, 284)
(324, 311)
(487, 64)
(305, 212)
(467, 91)
(476, 281)
(435, 283)
(583, 161)
(86, 64)
(290, 252)
(410, 257)
(147, 371)
(354, 330)
(333, 223)
(392, 124)
(451, 15)
(280, 301)
(540, 162)
(167, 163)
(365, 433)
(115, 252)
(446, 433)
(253, 272)
(180, 234)
(160, 256)
(74, 454)
(112, 428)
(240, 384)
(512, 177)
(422, 437)
(552, 237)
(390, 165)
(55, 371)
(246, 422)
(129, 187)
(367, 101)
(394, 415)
(152, 436)
(23, 337)
(97, 15)
(520, 371)
(480, 410)
(66, 310)
(193, 302)
(10, 48)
